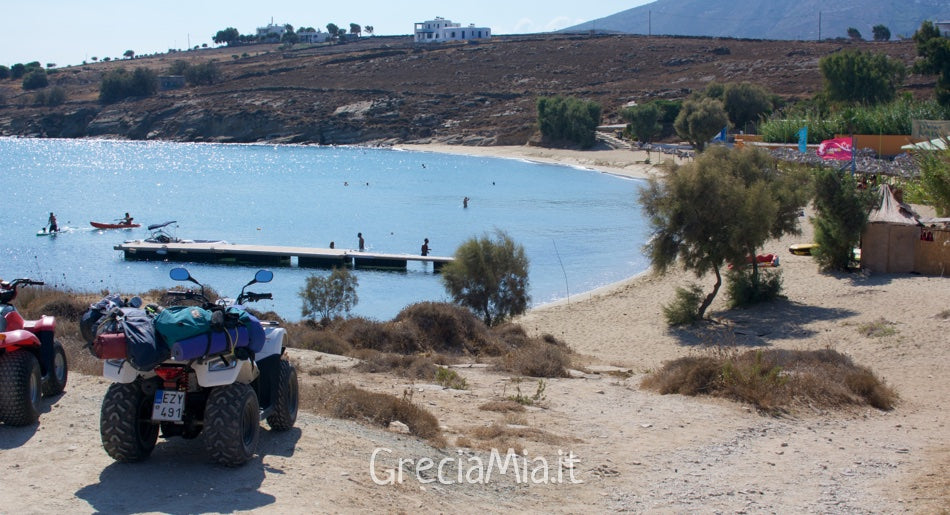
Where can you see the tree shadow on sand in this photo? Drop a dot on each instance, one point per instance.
(179, 478)
(757, 326)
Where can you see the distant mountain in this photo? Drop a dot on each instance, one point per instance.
(771, 19)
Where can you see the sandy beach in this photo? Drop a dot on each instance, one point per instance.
(636, 450)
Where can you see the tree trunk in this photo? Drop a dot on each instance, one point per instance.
(712, 295)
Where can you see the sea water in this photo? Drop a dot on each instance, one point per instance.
(581, 229)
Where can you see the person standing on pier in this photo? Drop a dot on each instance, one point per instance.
(362, 243)
(425, 247)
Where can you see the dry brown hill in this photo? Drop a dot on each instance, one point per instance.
(387, 89)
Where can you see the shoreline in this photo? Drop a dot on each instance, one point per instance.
(631, 164)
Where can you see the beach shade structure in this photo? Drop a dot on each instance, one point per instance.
(934, 144)
(890, 236)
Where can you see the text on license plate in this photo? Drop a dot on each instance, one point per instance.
(169, 405)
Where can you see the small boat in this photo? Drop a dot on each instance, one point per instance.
(161, 233)
(104, 225)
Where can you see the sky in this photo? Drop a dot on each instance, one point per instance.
(68, 32)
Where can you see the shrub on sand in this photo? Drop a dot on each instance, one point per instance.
(775, 380)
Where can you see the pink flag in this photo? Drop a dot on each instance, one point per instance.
(837, 148)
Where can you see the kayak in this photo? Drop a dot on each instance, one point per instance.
(802, 249)
(102, 225)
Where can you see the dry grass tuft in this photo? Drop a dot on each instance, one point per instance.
(877, 329)
(539, 357)
(504, 406)
(775, 380)
(349, 402)
(509, 436)
(412, 366)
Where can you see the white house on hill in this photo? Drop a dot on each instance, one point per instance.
(440, 29)
(271, 31)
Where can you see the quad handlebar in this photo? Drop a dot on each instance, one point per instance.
(8, 290)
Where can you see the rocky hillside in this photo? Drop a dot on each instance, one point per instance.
(801, 19)
(386, 89)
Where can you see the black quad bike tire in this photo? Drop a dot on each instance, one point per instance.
(59, 372)
(20, 385)
(286, 399)
(232, 424)
(125, 425)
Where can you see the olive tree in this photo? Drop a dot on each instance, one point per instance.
(861, 77)
(330, 295)
(699, 120)
(746, 103)
(644, 120)
(720, 209)
(881, 33)
(489, 276)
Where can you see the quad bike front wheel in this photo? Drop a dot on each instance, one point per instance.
(59, 372)
(19, 388)
(285, 404)
(125, 425)
(232, 424)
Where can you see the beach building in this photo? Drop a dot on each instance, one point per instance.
(441, 29)
(944, 28)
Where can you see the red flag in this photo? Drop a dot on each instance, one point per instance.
(837, 148)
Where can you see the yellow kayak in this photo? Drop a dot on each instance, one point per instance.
(802, 249)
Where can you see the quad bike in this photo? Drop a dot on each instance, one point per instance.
(218, 384)
(32, 362)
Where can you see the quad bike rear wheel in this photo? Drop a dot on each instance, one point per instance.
(125, 425)
(285, 404)
(20, 384)
(232, 424)
(59, 372)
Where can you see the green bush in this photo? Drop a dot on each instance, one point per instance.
(894, 117)
(684, 309)
(565, 119)
(490, 277)
(746, 287)
(932, 186)
(35, 79)
(119, 84)
(841, 212)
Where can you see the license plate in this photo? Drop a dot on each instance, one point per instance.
(169, 405)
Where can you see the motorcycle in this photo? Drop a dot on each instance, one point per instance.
(219, 384)
(32, 361)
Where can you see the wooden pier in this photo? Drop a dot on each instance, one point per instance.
(263, 255)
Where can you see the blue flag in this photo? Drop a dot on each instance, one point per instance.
(721, 137)
(802, 139)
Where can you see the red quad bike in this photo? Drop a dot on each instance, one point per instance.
(32, 362)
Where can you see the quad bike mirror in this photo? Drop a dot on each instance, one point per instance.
(182, 274)
(263, 276)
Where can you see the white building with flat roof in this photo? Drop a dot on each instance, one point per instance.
(440, 29)
(271, 31)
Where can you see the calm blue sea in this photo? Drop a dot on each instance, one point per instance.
(581, 229)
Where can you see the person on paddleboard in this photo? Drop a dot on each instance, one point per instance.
(53, 227)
